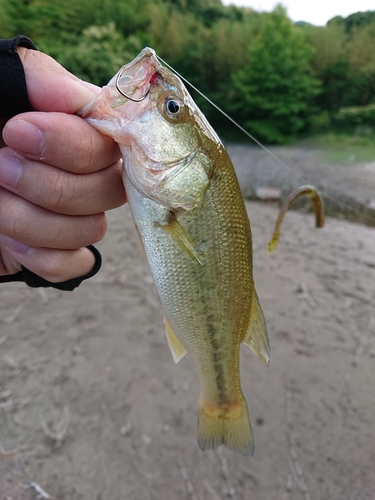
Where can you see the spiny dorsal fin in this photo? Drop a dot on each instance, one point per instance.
(256, 336)
(177, 350)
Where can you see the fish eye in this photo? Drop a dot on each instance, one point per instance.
(173, 107)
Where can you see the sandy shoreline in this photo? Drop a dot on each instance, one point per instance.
(131, 435)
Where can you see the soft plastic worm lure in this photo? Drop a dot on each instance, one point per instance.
(318, 207)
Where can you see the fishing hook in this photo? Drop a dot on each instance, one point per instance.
(123, 93)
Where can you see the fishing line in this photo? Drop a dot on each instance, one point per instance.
(231, 119)
(337, 201)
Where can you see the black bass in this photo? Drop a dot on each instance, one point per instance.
(188, 208)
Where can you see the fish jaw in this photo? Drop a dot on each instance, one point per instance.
(112, 109)
(134, 79)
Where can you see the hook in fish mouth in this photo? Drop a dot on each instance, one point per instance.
(134, 99)
(134, 79)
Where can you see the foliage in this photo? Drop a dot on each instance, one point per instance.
(356, 116)
(345, 61)
(354, 21)
(100, 52)
(276, 88)
(259, 67)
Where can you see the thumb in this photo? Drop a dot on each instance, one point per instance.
(51, 87)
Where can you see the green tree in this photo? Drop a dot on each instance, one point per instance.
(100, 52)
(345, 61)
(275, 90)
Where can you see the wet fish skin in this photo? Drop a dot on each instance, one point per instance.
(189, 212)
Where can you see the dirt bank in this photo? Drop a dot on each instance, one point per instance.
(96, 362)
(348, 188)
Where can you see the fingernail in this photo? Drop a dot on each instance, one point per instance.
(14, 246)
(10, 170)
(24, 137)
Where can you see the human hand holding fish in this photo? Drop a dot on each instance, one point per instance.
(58, 176)
(189, 212)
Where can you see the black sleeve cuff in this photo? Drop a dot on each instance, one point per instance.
(13, 90)
(35, 281)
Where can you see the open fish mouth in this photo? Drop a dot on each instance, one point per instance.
(134, 80)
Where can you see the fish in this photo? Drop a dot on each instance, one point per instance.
(188, 209)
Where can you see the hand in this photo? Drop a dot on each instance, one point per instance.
(58, 176)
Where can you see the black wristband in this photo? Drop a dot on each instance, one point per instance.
(33, 280)
(13, 90)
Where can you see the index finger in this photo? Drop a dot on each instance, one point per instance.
(62, 140)
(50, 87)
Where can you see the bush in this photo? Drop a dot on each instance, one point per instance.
(358, 118)
(99, 54)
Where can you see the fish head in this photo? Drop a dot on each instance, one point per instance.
(165, 139)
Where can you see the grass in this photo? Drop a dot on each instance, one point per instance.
(341, 148)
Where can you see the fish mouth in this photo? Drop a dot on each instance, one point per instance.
(134, 80)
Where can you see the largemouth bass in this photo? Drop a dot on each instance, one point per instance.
(187, 206)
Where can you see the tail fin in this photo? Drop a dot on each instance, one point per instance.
(229, 426)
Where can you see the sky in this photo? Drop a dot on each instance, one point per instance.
(316, 12)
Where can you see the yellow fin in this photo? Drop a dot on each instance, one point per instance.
(177, 350)
(256, 336)
(226, 425)
(181, 238)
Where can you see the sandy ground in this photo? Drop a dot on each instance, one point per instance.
(92, 406)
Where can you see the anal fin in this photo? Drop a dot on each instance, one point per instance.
(177, 350)
(256, 336)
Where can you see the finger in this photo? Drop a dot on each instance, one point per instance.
(65, 141)
(61, 191)
(8, 264)
(36, 226)
(51, 87)
(52, 265)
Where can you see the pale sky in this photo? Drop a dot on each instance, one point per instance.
(316, 12)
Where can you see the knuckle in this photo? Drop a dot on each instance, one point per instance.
(12, 220)
(96, 150)
(86, 154)
(51, 192)
(58, 192)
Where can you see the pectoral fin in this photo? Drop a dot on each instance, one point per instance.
(181, 239)
(177, 350)
(256, 337)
